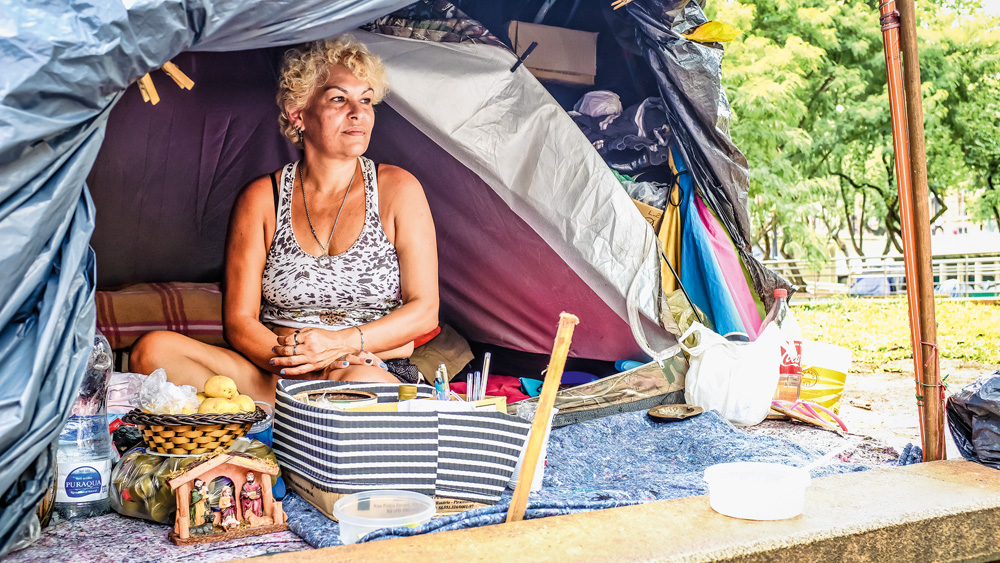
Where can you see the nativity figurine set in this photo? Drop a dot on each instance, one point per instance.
(244, 503)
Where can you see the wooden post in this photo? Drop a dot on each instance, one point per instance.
(182, 523)
(546, 400)
(931, 389)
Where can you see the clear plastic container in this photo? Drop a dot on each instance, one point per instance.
(362, 513)
(757, 491)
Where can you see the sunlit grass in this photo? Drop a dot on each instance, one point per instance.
(878, 331)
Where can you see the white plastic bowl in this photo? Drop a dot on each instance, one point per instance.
(365, 512)
(757, 491)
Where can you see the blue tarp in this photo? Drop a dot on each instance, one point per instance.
(64, 67)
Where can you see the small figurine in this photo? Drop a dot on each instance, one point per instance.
(227, 509)
(251, 500)
(256, 512)
(201, 523)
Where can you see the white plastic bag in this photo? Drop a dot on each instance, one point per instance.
(159, 396)
(737, 379)
(123, 391)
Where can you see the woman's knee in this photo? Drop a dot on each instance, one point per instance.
(149, 350)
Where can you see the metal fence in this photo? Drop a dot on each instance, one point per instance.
(975, 277)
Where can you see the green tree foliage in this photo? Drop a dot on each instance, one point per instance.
(807, 83)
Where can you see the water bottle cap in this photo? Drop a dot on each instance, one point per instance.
(780, 292)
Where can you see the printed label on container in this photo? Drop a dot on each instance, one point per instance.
(83, 481)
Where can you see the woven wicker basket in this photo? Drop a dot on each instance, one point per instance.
(192, 434)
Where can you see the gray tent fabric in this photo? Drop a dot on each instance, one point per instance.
(64, 67)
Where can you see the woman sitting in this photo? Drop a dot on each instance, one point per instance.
(331, 263)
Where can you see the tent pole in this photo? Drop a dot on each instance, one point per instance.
(933, 391)
(889, 20)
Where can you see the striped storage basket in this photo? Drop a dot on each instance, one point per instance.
(469, 456)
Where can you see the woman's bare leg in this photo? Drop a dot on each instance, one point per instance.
(366, 374)
(190, 362)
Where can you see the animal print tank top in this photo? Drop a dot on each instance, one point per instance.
(360, 285)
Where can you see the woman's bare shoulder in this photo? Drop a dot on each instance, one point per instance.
(257, 196)
(394, 178)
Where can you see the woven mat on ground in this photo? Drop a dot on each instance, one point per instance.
(119, 539)
(615, 461)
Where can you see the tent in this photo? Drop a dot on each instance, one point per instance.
(550, 195)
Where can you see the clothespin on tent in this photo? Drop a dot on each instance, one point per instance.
(179, 77)
(148, 91)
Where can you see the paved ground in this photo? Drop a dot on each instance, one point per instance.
(891, 392)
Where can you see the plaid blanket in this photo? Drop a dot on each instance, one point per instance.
(191, 309)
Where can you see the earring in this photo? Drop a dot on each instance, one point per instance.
(298, 131)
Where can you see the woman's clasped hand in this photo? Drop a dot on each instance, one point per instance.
(309, 350)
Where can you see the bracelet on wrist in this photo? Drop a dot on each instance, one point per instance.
(362, 334)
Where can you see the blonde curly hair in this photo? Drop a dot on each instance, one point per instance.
(307, 67)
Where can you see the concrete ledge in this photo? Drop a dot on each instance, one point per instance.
(939, 511)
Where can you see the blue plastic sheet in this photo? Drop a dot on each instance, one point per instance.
(64, 66)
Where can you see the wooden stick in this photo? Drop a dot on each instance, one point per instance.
(930, 388)
(546, 399)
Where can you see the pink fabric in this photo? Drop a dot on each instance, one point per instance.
(725, 255)
(497, 386)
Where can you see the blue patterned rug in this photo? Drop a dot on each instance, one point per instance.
(610, 462)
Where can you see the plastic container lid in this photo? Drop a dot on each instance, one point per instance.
(757, 491)
(780, 292)
(362, 513)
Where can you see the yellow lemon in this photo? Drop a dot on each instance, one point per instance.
(246, 403)
(201, 397)
(188, 409)
(221, 387)
(213, 405)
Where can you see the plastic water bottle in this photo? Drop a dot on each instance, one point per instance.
(84, 456)
(790, 369)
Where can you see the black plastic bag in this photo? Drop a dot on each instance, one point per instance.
(974, 420)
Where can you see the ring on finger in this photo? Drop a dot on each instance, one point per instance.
(295, 336)
(293, 349)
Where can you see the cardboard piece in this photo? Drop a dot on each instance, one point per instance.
(651, 214)
(563, 55)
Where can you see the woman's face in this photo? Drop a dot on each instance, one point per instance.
(338, 119)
